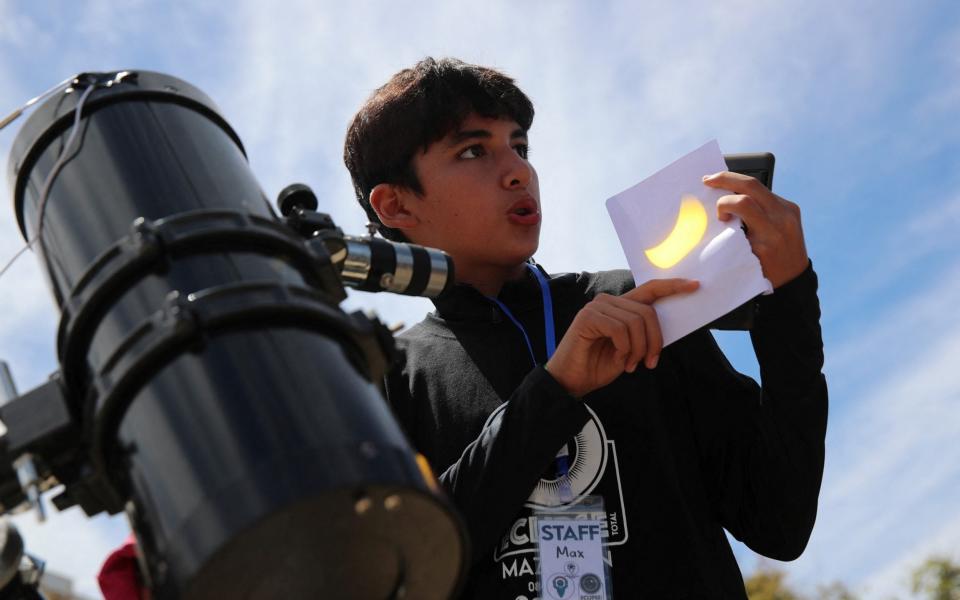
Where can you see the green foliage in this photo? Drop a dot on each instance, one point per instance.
(938, 578)
(835, 591)
(768, 583)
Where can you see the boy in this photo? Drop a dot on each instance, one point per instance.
(678, 444)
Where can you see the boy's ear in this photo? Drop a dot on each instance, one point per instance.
(392, 205)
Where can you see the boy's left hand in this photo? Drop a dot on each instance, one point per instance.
(773, 224)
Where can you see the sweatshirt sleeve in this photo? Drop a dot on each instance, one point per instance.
(762, 448)
(496, 472)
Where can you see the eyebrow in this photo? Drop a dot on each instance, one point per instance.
(470, 134)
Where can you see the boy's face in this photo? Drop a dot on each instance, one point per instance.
(481, 197)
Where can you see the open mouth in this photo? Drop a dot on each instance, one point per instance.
(524, 212)
(524, 207)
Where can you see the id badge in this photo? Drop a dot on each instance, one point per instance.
(570, 548)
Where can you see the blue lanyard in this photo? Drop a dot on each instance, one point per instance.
(562, 459)
(548, 325)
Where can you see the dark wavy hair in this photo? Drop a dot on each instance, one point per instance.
(417, 107)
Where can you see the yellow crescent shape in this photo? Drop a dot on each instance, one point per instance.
(687, 233)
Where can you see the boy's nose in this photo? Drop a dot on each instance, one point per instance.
(517, 172)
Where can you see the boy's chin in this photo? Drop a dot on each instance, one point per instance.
(521, 258)
(514, 257)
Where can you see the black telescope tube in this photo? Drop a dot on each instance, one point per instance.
(226, 403)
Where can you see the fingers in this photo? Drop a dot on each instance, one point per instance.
(597, 321)
(746, 207)
(738, 183)
(774, 225)
(760, 209)
(642, 325)
(636, 306)
(613, 334)
(743, 185)
(655, 289)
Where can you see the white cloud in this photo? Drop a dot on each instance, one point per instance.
(109, 23)
(934, 114)
(893, 465)
(27, 316)
(17, 29)
(893, 578)
(900, 332)
(937, 225)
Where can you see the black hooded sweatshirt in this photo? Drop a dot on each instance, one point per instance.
(678, 453)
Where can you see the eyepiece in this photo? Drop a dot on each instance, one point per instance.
(376, 265)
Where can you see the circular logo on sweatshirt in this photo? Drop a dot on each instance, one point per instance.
(586, 460)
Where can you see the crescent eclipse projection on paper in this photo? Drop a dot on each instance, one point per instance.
(687, 233)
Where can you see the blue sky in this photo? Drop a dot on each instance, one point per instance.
(858, 100)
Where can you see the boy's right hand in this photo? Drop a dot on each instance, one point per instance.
(612, 334)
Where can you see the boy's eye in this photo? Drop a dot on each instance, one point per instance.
(523, 150)
(475, 151)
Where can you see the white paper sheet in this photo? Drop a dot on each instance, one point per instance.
(645, 216)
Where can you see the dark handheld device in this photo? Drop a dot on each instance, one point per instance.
(210, 386)
(760, 166)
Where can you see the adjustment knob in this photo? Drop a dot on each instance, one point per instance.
(296, 195)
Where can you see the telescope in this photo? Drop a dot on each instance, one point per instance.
(209, 385)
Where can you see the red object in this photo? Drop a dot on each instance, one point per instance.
(119, 577)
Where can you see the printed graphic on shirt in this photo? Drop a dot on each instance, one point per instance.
(588, 456)
(593, 470)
